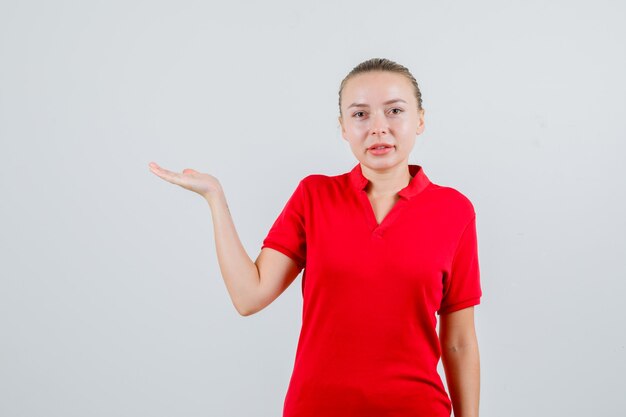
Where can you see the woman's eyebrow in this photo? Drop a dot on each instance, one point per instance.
(395, 100)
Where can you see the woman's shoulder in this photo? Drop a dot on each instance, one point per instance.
(324, 180)
(452, 198)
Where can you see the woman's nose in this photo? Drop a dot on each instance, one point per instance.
(378, 124)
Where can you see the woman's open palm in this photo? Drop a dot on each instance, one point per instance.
(203, 184)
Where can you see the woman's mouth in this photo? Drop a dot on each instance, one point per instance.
(380, 149)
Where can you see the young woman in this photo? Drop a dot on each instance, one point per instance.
(383, 251)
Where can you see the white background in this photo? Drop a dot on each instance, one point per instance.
(111, 299)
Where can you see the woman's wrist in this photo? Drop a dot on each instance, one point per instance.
(214, 197)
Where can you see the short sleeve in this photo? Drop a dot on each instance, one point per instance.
(287, 234)
(461, 287)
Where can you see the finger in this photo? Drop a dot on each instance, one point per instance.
(170, 176)
(154, 167)
(157, 169)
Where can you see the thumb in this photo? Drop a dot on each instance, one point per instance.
(189, 171)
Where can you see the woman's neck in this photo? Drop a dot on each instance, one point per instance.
(386, 183)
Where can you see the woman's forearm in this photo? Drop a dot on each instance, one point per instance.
(462, 367)
(239, 272)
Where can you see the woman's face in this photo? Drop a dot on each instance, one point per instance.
(380, 108)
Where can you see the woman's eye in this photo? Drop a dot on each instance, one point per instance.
(359, 114)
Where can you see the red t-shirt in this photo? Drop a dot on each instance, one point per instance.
(368, 344)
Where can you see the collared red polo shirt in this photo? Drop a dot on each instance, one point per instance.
(368, 345)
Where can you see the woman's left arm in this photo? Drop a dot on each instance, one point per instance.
(461, 361)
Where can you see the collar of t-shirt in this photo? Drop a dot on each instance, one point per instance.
(417, 184)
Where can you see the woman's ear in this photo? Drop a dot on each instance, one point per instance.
(420, 123)
(343, 130)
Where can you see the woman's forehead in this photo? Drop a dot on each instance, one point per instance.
(379, 86)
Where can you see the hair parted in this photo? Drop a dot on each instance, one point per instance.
(382, 64)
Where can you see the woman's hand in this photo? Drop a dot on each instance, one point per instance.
(204, 184)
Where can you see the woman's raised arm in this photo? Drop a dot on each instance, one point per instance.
(251, 285)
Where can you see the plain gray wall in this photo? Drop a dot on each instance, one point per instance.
(111, 299)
